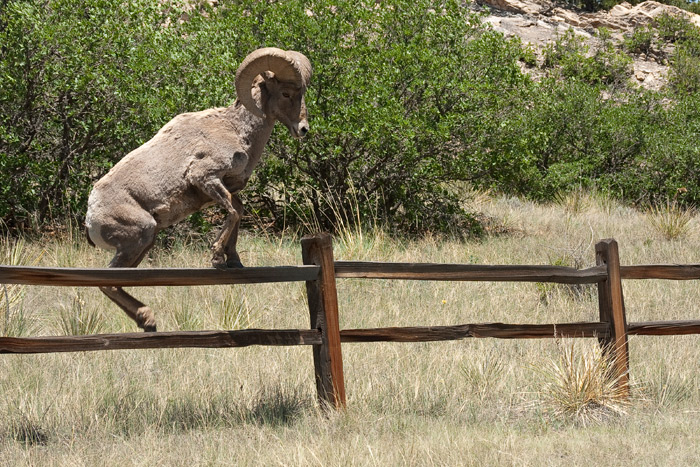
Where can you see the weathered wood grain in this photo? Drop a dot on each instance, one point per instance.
(126, 277)
(160, 340)
(664, 328)
(468, 272)
(463, 331)
(612, 311)
(323, 309)
(677, 272)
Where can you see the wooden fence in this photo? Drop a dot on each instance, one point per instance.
(320, 272)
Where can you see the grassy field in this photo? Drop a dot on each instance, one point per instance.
(470, 402)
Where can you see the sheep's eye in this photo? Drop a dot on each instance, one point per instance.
(285, 94)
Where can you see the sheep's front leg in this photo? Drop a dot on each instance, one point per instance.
(232, 258)
(216, 189)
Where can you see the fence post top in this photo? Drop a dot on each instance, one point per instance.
(324, 237)
(606, 242)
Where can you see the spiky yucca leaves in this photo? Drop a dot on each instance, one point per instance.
(575, 202)
(671, 220)
(582, 385)
(80, 318)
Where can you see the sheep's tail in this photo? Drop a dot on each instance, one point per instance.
(87, 234)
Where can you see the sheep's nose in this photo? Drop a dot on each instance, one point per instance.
(303, 130)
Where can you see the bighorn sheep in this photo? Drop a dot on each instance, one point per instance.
(196, 160)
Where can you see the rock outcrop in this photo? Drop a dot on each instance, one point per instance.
(539, 22)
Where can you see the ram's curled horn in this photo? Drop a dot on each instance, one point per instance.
(288, 66)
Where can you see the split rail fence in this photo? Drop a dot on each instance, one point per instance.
(320, 272)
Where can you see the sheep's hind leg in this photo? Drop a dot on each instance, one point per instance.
(136, 310)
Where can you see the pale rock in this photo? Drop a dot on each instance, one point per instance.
(517, 6)
(540, 22)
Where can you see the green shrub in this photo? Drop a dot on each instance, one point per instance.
(641, 41)
(685, 71)
(605, 65)
(394, 89)
(391, 89)
(79, 88)
(672, 29)
(408, 101)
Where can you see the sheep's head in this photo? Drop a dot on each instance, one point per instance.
(285, 76)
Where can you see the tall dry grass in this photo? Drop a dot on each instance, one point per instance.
(471, 402)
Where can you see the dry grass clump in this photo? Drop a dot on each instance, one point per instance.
(80, 317)
(581, 384)
(577, 201)
(671, 220)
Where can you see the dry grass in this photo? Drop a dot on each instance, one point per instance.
(671, 220)
(583, 385)
(471, 402)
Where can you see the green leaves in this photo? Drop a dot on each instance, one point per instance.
(408, 100)
(390, 85)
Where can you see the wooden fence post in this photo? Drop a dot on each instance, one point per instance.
(323, 307)
(612, 311)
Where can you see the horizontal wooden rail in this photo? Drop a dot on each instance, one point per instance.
(469, 272)
(664, 328)
(160, 340)
(677, 272)
(320, 272)
(497, 330)
(125, 277)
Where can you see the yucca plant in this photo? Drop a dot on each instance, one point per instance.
(235, 312)
(485, 375)
(582, 384)
(574, 202)
(186, 316)
(78, 319)
(671, 220)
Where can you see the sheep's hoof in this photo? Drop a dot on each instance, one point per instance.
(234, 264)
(145, 319)
(231, 263)
(218, 262)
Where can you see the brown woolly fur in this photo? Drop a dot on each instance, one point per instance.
(196, 160)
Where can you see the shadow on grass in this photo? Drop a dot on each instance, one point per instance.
(27, 432)
(279, 407)
(275, 407)
(129, 415)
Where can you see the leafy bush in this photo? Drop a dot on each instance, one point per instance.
(392, 89)
(74, 89)
(685, 71)
(395, 88)
(641, 41)
(685, 61)
(672, 29)
(605, 65)
(83, 85)
(409, 100)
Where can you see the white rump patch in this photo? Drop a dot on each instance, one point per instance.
(95, 233)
